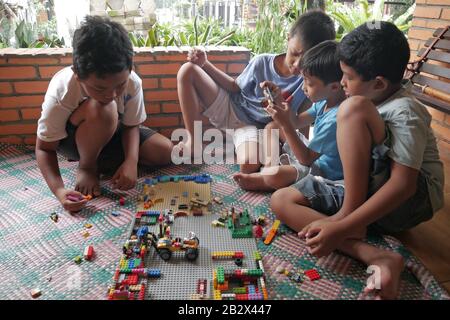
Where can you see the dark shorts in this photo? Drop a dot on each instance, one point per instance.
(111, 156)
(327, 197)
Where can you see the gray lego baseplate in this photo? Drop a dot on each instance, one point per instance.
(179, 276)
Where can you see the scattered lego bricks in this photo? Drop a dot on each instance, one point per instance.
(78, 259)
(54, 216)
(272, 232)
(35, 293)
(122, 201)
(115, 213)
(218, 200)
(312, 274)
(89, 253)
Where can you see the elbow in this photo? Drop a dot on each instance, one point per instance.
(407, 189)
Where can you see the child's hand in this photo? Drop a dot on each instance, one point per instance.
(276, 93)
(197, 56)
(67, 198)
(323, 236)
(282, 115)
(125, 177)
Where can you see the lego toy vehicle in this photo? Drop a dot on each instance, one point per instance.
(165, 246)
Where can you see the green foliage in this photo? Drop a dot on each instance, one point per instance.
(25, 34)
(49, 42)
(272, 25)
(349, 17)
(191, 33)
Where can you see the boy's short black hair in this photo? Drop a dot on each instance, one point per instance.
(322, 61)
(102, 47)
(376, 48)
(313, 27)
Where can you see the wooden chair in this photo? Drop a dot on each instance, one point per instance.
(432, 80)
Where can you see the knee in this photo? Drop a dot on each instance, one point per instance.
(354, 108)
(157, 150)
(105, 114)
(186, 72)
(271, 125)
(164, 152)
(278, 203)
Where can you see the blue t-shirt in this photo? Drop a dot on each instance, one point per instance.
(247, 103)
(324, 141)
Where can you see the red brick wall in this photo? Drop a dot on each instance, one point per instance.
(25, 74)
(428, 16)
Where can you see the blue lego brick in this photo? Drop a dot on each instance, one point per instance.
(142, 231)
(148, 181)
(153, 273)
(152, 213)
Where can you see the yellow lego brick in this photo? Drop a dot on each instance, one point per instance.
(217, 295)
(214, 279)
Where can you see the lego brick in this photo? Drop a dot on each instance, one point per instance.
(312, 274)
(35, 293)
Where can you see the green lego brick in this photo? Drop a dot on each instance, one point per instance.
(257, 255)
(220, 275)
(245, 232)
(240, 290)
(152, 220)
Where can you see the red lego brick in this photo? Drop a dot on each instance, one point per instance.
(133, 279)
(312, 274)
(89, 253)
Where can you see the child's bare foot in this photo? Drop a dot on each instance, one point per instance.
(251, 181)
(390, 268)
(87, 181)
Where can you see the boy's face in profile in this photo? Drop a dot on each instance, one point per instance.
(104, 90)
(315, 89)
(293, 55)
(354, 85)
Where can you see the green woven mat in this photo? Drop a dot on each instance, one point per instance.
(38, 253)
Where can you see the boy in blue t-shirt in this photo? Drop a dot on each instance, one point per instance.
(322, 74)
(209, 95)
